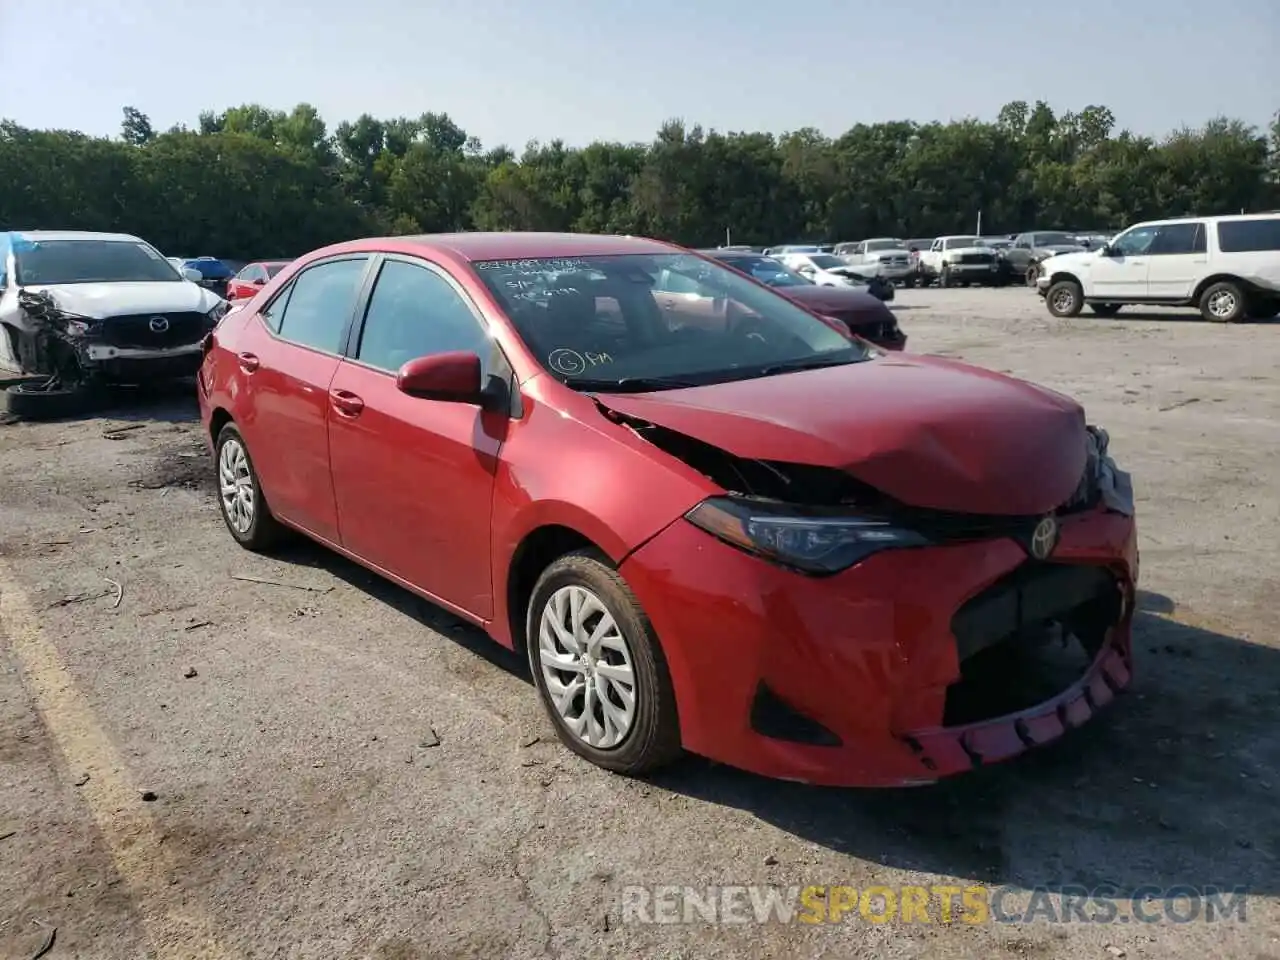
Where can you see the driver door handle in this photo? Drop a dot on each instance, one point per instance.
(249, 362)
(346, 402)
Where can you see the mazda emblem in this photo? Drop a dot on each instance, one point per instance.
(1045, 538)
(158, 324)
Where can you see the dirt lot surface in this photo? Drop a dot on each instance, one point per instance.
(193, 765)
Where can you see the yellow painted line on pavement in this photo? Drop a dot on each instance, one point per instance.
(176, 926)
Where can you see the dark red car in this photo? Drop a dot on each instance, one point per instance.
(252, 278)
(743, 534)
(862, 313)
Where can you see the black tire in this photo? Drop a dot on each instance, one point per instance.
(263, 531)
(1223, 302)
(653, 739)
(1065, 299)
(908, 282)
(944, 276)
(1105, 309)
(1032, 274)
(32, 400)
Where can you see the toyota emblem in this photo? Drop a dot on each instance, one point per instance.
(158, 324)
(1045, 538)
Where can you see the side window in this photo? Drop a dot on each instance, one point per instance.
(1134, 243)
(1174, 238)
(1022, 242)
(273, 312)
(320, 303)
(4, 260)
(414, 312)
(937, 245)
(1249, 236)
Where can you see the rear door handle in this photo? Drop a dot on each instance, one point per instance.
(249, 362)
(346, 402)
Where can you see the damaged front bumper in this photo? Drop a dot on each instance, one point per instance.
(77, 349)
(912, 665)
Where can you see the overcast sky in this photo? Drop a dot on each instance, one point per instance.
(582, 70)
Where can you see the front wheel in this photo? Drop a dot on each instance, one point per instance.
(944, 277)
(1065, 299)
(1223, 302)
(244, 508)
(1032, 275)
(599, 668)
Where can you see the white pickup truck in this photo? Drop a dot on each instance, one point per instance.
(959, 260)
(887, 256)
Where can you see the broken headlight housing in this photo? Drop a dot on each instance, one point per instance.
(811, 540)
(219, 311)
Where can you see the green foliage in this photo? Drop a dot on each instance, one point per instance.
(253, 182)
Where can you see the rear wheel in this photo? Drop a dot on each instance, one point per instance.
(599, 668)
(1223, 302)
(1105, 309)
(1065, 299)
(244, 508)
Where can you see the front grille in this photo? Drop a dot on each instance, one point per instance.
(135, 331)
(976, 258)
(1031, 596)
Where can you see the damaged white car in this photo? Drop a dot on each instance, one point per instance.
(79, 310)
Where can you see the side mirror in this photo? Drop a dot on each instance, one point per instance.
(195, 276)
(451, 377)
(260, 282)
(1106, 250)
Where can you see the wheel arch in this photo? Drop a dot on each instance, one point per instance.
(1209, 281)
(217, 420)
(1065, 276)
(537, 550)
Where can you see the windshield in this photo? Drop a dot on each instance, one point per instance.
(874, 245)
(274, 268)
(1056, 240)
(642, 322)
(90, 261)
(769, 271)
(953, 243)
(824, 261)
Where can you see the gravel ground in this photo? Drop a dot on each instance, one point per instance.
(332, 768)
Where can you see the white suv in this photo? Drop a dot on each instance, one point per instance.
(1228, 267)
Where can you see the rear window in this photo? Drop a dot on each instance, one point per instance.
(1249, 236)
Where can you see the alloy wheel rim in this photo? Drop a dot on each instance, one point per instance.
(235, 485)
(1063, 300)
(587, 667)
(1222, 303)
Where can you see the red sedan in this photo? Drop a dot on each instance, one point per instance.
(742, 534)
(252, 278)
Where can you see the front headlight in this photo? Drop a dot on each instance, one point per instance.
(808, 539)
(217, 313)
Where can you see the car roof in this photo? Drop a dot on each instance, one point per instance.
(74, 235)
(1228, 218)
(511, 246)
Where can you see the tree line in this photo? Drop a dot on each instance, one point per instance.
(252, 182)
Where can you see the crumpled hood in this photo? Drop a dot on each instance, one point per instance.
(926, 431)
(1062, 248)
(104, 300)
(959, 250)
